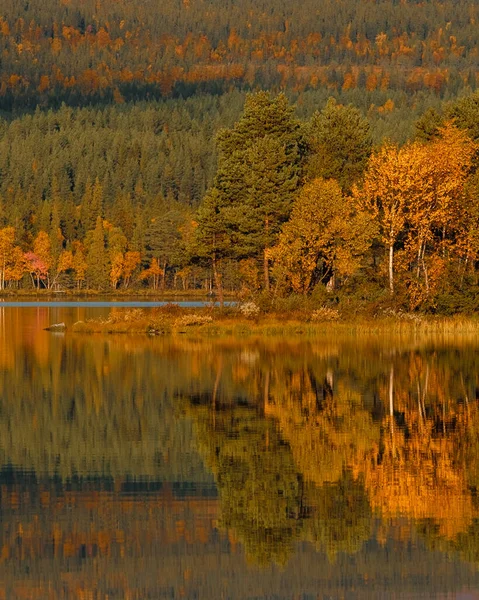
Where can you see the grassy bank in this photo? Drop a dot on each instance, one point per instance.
(209, 322)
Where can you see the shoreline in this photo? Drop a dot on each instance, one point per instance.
(158, 294)
(206, 322)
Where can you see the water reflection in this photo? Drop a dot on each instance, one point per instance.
(137, 467)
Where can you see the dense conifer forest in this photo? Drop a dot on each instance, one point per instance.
(140, 150)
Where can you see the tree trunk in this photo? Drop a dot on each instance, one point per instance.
(163, 277)
(424, 268)
(419, 252)
(218, 281)
(266, 270)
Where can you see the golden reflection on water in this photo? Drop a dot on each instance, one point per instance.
(124, 456)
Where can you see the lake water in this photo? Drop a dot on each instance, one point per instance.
(145, 468)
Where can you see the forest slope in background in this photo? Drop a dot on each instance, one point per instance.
(111, 51)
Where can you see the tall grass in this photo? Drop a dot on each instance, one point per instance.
(212, 322)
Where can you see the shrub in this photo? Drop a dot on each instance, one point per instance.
(193, 319)
(249, 310)
(325, 313)
(125, 316)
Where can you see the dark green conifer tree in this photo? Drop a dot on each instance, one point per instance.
(212, 239)
(259, 170)
(340, 143)
(97, 258)
(91, 205)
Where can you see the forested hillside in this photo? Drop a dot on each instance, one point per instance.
(112, 51)
(138, 148)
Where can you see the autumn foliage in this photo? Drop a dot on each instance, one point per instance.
(118, 51)
(295, 207)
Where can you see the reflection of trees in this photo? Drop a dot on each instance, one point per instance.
(330, 433)
(327, 432)
(267, 496)
(415, 476)
(303, 437)
(96, 406)
(58, 543)
(401, 429)
(260, 490)
(465, 544)
(416, 472)
(462, 431)
(341, 519)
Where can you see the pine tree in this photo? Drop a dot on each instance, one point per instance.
(211, 240)
(163, 237)
(91, 205)
(340, 143)
(98, 268)
(259, 170)
(56, 236)
(271, 183)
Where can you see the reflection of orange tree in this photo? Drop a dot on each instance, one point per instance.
(417, 473)
(418, 462)
(459, 535)
(329, 436)
(415, 477)
(326, 437)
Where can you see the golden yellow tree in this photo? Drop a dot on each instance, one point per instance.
(324, 237)
(385, 195)
(64, 263)
(154, 273)
(116, 269)
(7, 236)
(16, 268)
(415, 194)
(131, 260)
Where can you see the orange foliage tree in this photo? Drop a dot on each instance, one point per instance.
(416, 195)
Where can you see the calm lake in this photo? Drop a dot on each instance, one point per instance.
(150, 468)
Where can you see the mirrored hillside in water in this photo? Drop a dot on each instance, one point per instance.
(136, 467)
